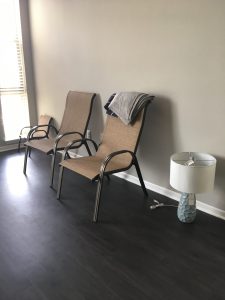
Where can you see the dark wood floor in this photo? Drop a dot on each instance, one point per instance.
(52, 250)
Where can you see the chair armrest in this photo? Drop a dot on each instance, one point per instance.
(32, 133)
(36, 128)
(111, 155)
(59, 137)
(81, 141)
(93, 142)
(21, 131)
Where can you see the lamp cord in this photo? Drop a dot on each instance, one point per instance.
(158, 204)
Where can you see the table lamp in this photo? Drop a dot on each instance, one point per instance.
(191, 173)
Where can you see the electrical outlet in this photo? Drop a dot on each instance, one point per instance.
(88, 134)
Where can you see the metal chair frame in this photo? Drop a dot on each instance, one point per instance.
(102, 173)
(57, 140)
(32, 131)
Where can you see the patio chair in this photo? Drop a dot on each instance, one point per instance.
(37, 133)
(74, 125)
(116, 153)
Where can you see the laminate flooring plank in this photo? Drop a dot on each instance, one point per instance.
(51, 250)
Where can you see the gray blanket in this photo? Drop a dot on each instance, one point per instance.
(126, 105)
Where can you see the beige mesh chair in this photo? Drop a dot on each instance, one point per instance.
(74, 125)
(36, 133)
(116, 153)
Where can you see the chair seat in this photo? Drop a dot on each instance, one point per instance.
(90, 166)
(38, 134)
(47, 145)
(44, 145)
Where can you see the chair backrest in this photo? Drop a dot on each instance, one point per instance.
(43, 131)
(77, 112)
(118, 136)
(44, 120)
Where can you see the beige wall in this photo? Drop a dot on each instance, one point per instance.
(173, 49)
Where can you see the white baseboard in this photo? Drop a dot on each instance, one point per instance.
(8, 147)
(211, 210)
(219, 213)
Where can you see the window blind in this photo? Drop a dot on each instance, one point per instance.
(12, 74)
(13, 94)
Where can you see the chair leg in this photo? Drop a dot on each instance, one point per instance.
(97, 199)
(52, 168)
(88, 149)
(60, 182)
(25, 160)
(67, 156)
(19, 144)
(140, 176)
(29, 152)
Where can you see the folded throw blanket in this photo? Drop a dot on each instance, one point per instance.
(127, 105)
(106, 106)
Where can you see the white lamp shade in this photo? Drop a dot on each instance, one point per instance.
(196, 178)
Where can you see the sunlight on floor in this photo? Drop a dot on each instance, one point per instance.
(16, 180)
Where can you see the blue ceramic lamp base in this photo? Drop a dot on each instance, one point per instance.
(186, 211)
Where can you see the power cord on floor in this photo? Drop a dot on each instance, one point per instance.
(160, 204)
